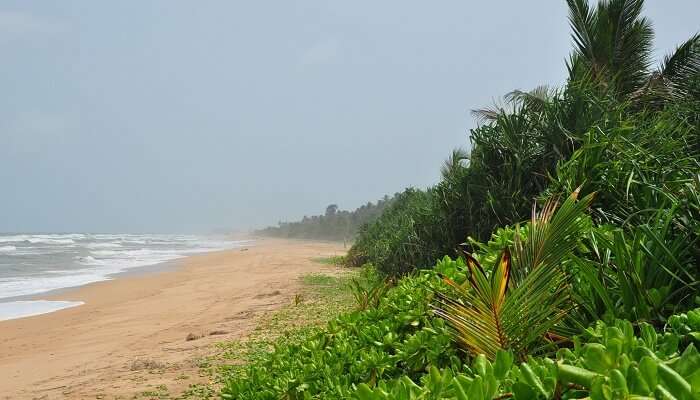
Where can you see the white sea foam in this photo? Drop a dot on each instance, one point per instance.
(13, 238)
(104, 253)
(38, 250)
(28, 308)
(134, 241)
(102, 245)
(26, 286)
(39, 240)
(7, 249)
(33, 264)
(89, 260)
(59, 236)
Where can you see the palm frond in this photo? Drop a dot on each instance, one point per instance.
(612, 44)
(626, 13)
(582, 21)
(680, 68)
(525, 294)
(484, 115)
(534, 100)
(453, 163)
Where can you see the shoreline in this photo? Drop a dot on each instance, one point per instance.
(92, 349)
(164, 266)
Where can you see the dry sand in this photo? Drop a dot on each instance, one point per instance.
(104, 349)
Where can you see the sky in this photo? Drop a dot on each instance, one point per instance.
(184, 116)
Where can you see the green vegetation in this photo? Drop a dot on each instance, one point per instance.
(398, 337)
(334, 224)
(332, 260)
(399, 349)
(321, 298)
(607, 362)
(567, 246)
(525, 297)
(617, 128)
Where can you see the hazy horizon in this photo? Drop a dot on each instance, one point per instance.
(180, 117)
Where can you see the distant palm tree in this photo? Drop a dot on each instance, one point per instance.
(613, 45)
(454, 164)
(517, 101)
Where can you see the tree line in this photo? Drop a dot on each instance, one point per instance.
(333, 224)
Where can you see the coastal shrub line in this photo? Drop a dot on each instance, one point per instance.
(566, 241)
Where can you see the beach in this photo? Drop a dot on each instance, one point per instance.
(171, 318)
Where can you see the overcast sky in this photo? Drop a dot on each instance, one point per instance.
(186, 116)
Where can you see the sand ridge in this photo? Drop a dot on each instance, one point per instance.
(104, 348)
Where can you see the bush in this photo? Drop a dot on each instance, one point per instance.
(398, 338)
(607, 362)
(405, 237)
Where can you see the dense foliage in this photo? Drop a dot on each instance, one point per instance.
(406, 236)
(607, 361)
(592, 298)
(408, 344)
(618, 128)
(399, 350)
(525, 296)
(334, 224)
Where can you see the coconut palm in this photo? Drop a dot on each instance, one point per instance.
(517, 101)
(679, 74)
(516, 304)
(454, 164)
(612, 49)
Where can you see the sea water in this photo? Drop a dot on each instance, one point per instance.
(34, 264)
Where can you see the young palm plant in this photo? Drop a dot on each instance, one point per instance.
(371, 295)
(517, 304)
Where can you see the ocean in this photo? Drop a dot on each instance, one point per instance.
(34, 264)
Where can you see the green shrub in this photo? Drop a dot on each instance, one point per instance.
(404, 238)
(399, 337)
(512, 156)
(608, 362)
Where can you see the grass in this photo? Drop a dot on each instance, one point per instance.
(322, 297)
(331, 260)
(159, 392)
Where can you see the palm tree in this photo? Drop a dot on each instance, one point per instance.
(612, 49)
(679, 74)
(518, 303)
(454, 164)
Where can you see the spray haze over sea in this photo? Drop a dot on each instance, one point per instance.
(34, 264)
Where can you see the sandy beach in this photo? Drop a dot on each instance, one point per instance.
(100, 349)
